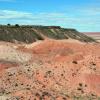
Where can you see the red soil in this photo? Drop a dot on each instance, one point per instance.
(58, 70)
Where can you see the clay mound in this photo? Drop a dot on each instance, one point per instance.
(49, 46)
(57, 70)
(11, 54)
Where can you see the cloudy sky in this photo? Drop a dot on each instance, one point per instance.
(84, 15)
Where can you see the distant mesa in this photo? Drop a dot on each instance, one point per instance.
(95, 35)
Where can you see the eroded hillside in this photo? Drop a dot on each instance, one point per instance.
(51, 70)
(29, 34)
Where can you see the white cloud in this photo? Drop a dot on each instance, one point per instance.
(80, 21)
(9, 14)
(91, 11)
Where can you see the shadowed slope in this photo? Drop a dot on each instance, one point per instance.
(29, 34)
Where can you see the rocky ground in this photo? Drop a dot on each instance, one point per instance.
(50, 70)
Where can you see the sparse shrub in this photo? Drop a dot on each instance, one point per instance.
(80, 84)
(75, 62)
(17, 25)
(8, 24)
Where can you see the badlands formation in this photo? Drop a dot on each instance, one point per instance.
(50, 69)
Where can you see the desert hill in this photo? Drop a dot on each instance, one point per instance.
(29, 34)
(51, 70)
(48, 63)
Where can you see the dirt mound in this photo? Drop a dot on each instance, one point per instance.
(57, 70)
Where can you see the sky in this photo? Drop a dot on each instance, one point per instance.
(83, 15)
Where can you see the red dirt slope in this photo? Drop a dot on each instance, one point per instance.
(52, 70)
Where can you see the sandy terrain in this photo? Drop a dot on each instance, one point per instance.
(50, 70)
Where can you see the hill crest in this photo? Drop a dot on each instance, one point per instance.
(29, 34)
